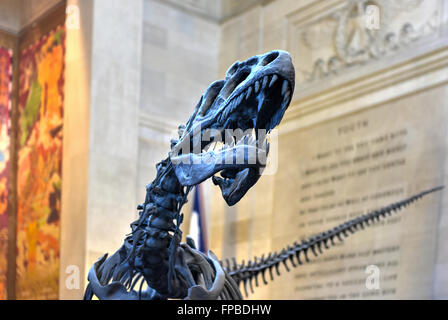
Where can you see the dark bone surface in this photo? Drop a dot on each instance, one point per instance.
(153, 263)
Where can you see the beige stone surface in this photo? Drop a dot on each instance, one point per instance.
(179, 54)
(179, 61)
(355, 164)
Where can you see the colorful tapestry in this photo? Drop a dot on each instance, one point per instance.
(41, 106)
(5, 126)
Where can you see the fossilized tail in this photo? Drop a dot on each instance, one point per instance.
(246, 273)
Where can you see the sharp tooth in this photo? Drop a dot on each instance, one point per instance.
(228, 138)
(240, 99)
(231, 105)
(264, 143)
(217, 180)
(266, 148)
(284, 87)
(226, 112)
(274, 79)
(245, 140)
(251, 141)
(249, 92)
(235, 102)
(253, 133)
(242, 141)
(286, 97)
(197, 145)
(265, 82)
(257, 86)
(227, 123)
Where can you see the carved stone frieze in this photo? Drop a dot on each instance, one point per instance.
(330, 39)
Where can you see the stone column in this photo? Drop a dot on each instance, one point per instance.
(115, 94)
(100, 134)
(76, 149)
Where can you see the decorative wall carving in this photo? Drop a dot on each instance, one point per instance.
(345, 34)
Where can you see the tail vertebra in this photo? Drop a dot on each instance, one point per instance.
(245, 273)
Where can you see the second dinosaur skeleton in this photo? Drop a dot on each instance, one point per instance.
(153, 263)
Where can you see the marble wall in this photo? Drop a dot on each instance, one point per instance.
(179, 61)
(113, 142)
(343, 68)
(180, 53)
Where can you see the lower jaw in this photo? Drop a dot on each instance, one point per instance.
(194, 169)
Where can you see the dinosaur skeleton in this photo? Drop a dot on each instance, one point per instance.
(241, 110)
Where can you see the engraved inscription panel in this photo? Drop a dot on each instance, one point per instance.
(342, 168)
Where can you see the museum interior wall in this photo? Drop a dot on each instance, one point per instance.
(91, 92)
(367, 126)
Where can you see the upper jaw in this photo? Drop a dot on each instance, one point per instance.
(280, 72)
(259, 104)
(226, 94)
(281, 67)
(257, 101)
(257, 90)
(196, 166)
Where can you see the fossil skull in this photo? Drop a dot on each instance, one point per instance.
(238, 110)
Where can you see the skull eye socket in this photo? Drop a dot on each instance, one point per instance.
(252, 61)
(242, 75)
(234, 81)
(210, 96)
(232, 69)
(269, 58)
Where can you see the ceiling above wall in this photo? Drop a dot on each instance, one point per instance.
(17, 14)
(217, 10)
